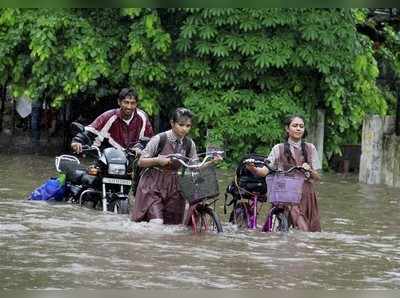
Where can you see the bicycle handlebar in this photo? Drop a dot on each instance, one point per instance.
(181, 158)
(212, 153)
(276, 171)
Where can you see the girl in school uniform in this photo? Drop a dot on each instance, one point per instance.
(295, 152)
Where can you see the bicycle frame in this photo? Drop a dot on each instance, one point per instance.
(253, 218)
(252, 209)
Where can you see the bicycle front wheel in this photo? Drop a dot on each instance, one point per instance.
(205, 219)
(277, 221)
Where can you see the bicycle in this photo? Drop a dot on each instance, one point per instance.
(283, 191)
(248, 192)
(199, 187)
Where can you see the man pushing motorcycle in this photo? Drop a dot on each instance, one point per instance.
(125, 128)
(122, 128)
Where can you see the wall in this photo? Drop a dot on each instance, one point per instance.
(380, 152)
(316, 132)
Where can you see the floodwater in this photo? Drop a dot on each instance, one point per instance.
(62, 246)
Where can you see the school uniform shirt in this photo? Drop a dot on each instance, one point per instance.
(152, 146)
(273, 157)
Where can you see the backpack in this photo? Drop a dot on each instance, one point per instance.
(51, 189)
(137, 171)
(246, 182)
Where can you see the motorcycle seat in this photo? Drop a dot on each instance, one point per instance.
(88, 179)
(76, 175)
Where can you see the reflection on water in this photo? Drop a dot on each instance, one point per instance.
(62, 246)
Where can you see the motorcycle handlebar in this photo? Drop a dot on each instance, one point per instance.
(87, 148)
(91, 148)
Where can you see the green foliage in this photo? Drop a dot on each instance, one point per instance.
(240, 70)
(388, 56)
(57, 54)
(146, 57)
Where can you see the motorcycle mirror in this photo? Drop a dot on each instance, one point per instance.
(77, 128)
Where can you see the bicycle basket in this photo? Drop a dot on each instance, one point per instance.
(284, 189)
(199, 184)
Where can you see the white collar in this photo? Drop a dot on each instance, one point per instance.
(295, 144)
(173, 137)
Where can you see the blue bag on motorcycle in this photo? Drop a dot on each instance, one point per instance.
(52, 189)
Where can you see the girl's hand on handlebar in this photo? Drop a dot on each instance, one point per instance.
(136, 151)
(217, 158)
(251, 167)
(163, 161)
(76, 147)
(310, 173)
(306, 167)
(257, 171)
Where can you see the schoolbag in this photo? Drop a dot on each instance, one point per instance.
(137, 171)
(51, 189)
(245, 182)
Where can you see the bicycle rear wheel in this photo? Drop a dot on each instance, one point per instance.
(239, 216)
(205, 219)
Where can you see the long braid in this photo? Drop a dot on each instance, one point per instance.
(287, 152)
(304, 151)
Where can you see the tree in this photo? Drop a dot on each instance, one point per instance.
(242, 70)
(58, 54)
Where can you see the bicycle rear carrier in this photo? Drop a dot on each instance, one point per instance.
(198, 184)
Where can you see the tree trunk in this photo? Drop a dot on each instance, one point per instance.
(13, 118)
(397, 127)
(36, 120)
(3, 94)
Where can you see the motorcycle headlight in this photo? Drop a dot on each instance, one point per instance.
(114, 169)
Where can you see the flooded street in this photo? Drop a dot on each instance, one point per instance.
(62, 246)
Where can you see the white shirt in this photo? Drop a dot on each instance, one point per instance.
(315, 164)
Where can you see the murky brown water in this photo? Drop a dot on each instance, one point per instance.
(62, 246)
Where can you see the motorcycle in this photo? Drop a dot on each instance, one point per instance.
(105, 183)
